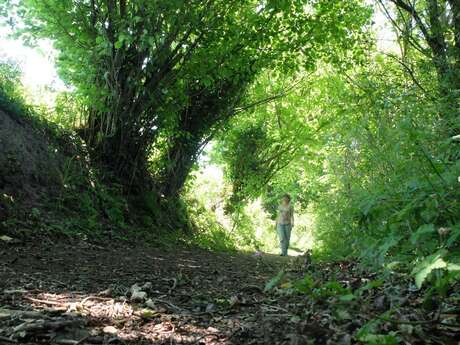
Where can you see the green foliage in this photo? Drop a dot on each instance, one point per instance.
(304, 285)
(294, 98)
(308, 286)
(11, 93)
(368, 149)
(274, 281)
(369, 336)
(81, 204)
(438, 266)
(380, 176)
(144, 71)
(208, 232)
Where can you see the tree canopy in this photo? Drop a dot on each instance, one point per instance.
(163, 76)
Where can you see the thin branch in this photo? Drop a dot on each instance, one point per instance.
(413, 12)
(271, 98)
(412, 41)
(409, 71)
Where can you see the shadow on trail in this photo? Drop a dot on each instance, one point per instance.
(78, 293)
(71, 319)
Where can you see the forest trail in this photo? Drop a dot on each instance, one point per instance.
(79, 293)
(199, 297)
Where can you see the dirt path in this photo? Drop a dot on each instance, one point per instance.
(196, 297)
(78, 293)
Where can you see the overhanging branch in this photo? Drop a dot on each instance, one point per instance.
(270, 98)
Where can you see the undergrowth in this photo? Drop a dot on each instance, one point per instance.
(88, 203)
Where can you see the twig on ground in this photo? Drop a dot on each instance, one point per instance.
(84, 300)
(14, 292)
(252, 287)
(169, 304)
(8, 339)
(197, 341)
(402, 322)
(270, 316)
(275, 308)
(60, 304)
(83, 339)
(453, 325)
(174, 285)
(66, 342)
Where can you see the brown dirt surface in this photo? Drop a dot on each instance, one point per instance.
(74, 293)
(28, 161)
(36, 161)
(198, 297)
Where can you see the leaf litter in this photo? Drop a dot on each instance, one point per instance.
(142, 295)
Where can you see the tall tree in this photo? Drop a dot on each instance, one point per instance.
(286, 35)
(149, 70)
(121, 56)
(436, 34)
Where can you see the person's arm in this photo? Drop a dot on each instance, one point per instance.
(292, 216)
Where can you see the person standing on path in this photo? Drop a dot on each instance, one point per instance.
(285, 223)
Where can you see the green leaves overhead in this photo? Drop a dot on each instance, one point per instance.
(144, 68)
(365, 149)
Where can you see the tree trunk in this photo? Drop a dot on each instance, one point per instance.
(122, 151)
(445, 55)
(455, 8)
(437, 43)
(209, 108)
(182, 156)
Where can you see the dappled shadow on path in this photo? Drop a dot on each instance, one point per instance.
(72, 319)
(79, 293)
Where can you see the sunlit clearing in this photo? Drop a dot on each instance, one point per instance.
(252, 228)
